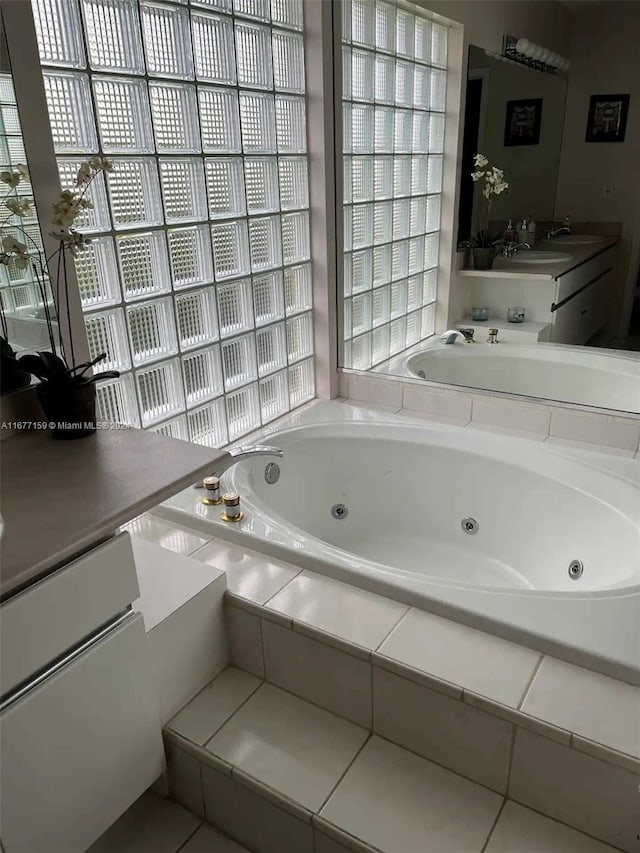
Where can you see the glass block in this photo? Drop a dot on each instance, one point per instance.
(438, 100)
(112, 33)
(381, 265)
(401, 176)
(347, 318)
(225, 187)
(96, 273)
(294, 182)
(385, 27)
(361, 274)
(291, 124)
(404, 84)
(431, 251)
(362, 128)
(70, 112)
(362, 226)
(433, 213)
(107, 333)
(439, 38)
(259, 9)
(414, 292)
(362, 75)
(299, 337)
(271, 349)
(422, 46)
(361, 314)
(385, 79)
(175, 117)
(363, 24)
(190, 256)
(383, 141)
(295, 237)
(7, 94)
(208, 424)
(10, 119)
(143, 264)
(383, 177)
(288, 62)
(434, 181)
(419, 175)
(401, 219)
(16, 151)
(429, 286)
(167, 40)
(287, 13)
(397, 335)
(421, 87)
(219, 120)
(405, 21)
(174, 428)
(59, 32)
(420, 134)
(380, 306)
(230, 250)
(213, 48)
(218, 5)
(202, 375)
(297, 289)
(95, 218)
(347, 228)
(399, 260)
(160, 391)
(152, 333)
(274, 396)
(268, 302)
(379, 345)
(414, 327)
(398, 298)
(416, 255)
(428, 321)
(122, 111)
(243, 411)
(183, 190)
(265, 245)
(382, 222)
(347, 128)
(403, 131)
(362, 178)
(257, 120)
(346, 73)
(261, 184)
(418, 216)
(361, 352)
(196, 318)
(253, 55)
(239, 361)
(346, 20)
(235, 308)
(116, 401)
(135, 193)
(301, 383)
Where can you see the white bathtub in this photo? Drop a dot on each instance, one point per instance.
(587, 375)
(408, 487)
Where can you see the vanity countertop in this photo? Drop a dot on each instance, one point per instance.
(61, 497)
(504, 268)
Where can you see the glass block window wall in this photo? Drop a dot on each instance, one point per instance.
(197, 282)
(394, 86)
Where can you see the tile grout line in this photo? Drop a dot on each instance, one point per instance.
(187, 840)
(529, 685)
(341, 777)
(512, 750)
(494, 824)
(392, 629)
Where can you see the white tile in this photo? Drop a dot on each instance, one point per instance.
(584, 445)
(184, 778)
(212, 707)
(151, 825)
(249, 574)
(328, 843)
(519, 830)
(345, 611)
(442, 729)
(251, 819)
(436, 402)
(209, 840)
(592, 705)
(461, 655)
(325, 676)
(167, 534)
(290, 745)
(372, 389)
(584, 792)
(245, 640)
(512, 433)
(500, 413)
(596, 429)
(401, 803)
(432, 418)
(167, 580)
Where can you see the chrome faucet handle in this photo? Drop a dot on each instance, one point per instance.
(493, 337)
(468, 335)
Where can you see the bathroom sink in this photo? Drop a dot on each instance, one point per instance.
(576, 239)
(533, 256)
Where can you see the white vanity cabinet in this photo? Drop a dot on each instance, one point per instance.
(580, 302)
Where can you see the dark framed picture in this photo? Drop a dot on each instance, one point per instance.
(607, 120)
(522, 122)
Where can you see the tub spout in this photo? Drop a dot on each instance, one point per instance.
(453, 335)
(237, 454)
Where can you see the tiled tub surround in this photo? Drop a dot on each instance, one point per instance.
(408, 484)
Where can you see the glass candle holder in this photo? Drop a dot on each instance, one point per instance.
(515, 315)
(479, 314)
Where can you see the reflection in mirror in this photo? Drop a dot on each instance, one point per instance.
(23, 287)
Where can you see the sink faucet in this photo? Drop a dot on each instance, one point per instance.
(453, 335)
(511, 249)
(556, 232)
(237, 454)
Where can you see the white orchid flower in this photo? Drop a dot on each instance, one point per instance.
(480, 161)
(17, 206)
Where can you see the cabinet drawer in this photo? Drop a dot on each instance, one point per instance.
(43, 622)
(581, 317)
(81, 747)
(585, 273)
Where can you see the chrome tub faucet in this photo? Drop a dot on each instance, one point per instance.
(453, 335)
(556, 232)
(237, 454)
(511, 249)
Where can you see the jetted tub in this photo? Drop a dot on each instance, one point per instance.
(587, 375)
(501, 533)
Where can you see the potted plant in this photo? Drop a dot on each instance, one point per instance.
(66, 390)
(483, 243)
